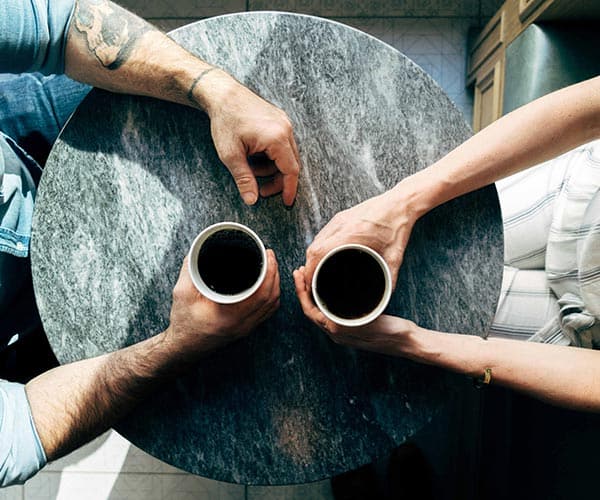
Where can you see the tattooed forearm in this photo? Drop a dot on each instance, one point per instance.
(111, 32)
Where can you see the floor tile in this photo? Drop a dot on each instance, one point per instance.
(111, 453)
(70, 486)
(106, 453)
(188, 487)
(183, 8)
(374, 8)
(453, 73)
(166, 25)
(11, 493)
(489, 7)
(423, 44)
(128, 486)
(135, 487)
(454, 36)
(313, 491)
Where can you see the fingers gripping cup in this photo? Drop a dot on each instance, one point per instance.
(352, 285)
(227, 262)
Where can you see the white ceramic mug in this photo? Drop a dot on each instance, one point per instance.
(374, 312)
(195, 274)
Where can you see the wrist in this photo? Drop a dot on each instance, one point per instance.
(416, 195)
(164, 355)
(210, 88)
(408, 341)
(187, 347)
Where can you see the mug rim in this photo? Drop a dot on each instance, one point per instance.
(197, 280)
(385, 299)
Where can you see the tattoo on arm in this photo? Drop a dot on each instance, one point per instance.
(111, 31)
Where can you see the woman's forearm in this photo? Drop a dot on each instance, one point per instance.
(565, 376)
(532, 134)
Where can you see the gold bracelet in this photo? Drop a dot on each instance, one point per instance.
(484, 380)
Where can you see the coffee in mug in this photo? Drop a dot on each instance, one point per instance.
(227, 262)
(352, 285)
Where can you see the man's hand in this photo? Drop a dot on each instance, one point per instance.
(113, 49)
(75, 402)
(386, 335)
(244, 125)
(203, 325)
(382, 223)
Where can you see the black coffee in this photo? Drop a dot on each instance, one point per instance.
(351, 284)
(229, 262)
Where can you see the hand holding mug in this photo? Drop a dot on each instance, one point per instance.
(379, 223)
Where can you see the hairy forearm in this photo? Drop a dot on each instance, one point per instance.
(73, 403)
(528, 136)
(565, 376)
(111, 48)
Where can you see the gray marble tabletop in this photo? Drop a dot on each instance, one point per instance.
(131, 181)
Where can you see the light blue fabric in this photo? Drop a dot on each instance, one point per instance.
(21, 452)
(16, 196)
(32, 108)
(33, 35)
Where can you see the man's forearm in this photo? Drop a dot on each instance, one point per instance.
(566, 376)
(532, 134)
(73, 403)
(112, 48)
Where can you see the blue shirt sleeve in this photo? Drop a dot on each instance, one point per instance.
(33, 35)
(21, 452)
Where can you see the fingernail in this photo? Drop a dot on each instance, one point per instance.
(289, 207)
(249, 198)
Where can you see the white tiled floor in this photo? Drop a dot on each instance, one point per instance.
(110, 468)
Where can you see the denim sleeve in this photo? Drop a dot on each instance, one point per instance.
(21, 452)
(33, 35)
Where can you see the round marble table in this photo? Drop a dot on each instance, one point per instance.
(131, 181)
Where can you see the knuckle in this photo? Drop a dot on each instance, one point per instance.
(178, 292)
(244, 181)
(396, 256)
(295, 169)
(334, 331)
(286, 127)
(280, 132)
(227, 156)
(265, 296)
(313, 252)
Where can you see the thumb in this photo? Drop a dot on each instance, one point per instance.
(243, 176)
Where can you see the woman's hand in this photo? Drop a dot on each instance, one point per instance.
(382, 223)
(386, 335)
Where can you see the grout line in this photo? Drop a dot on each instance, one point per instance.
(156, 473)
(474, 18)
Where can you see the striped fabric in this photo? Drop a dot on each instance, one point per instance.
(551, 286)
